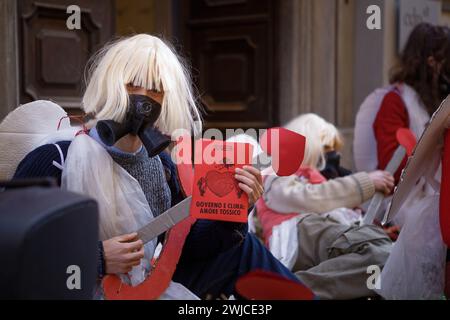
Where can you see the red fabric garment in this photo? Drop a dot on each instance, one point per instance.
(159, 279)
(444, 209)
(270, 218)
(392, 116)
(444, 205)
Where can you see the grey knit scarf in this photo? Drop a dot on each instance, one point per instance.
(150, 174)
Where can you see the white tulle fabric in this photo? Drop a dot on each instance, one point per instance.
(415, 269)
(123, 208)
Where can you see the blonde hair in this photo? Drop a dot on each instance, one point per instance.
(141, 61)
(320, 137)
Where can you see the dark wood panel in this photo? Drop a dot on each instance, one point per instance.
(53, 58)
(233, 71)
(230, 9)
(230, 44)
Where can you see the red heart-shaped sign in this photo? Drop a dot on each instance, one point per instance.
(287, 149)
(220, 183)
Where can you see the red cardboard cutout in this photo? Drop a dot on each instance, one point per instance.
(159, 279)
(216, 193)
(262, 285)
(287, 149)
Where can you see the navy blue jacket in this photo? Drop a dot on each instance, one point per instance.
(206, 238)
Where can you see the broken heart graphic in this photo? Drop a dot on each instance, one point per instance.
(216, 193)
(221, 184)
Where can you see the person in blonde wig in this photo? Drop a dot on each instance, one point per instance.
(309, 223)
(322, 153)
(132, 188)
(146, 62)
(311, 125)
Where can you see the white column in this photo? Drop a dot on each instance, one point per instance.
(307, 46)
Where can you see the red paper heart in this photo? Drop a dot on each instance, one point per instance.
(287, 149)
(406, 138)
(219, 183)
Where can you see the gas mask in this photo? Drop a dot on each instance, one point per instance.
(139, 121)
(333, 167)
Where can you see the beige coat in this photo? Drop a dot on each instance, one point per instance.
(332, 258)
(294, 194)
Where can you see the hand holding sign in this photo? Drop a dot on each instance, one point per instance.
(250, 181)
(221, 184)
(406, 139)
(224, 176)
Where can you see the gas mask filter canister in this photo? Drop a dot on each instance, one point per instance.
(140, 120)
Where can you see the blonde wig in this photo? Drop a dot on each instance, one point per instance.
(141, 61)
(321, 136)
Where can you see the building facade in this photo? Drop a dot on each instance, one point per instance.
(256, 63)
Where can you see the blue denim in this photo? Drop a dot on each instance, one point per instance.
(215, 276)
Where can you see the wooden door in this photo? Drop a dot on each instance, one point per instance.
(231, 46)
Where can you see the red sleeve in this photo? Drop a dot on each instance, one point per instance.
(391, 117)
